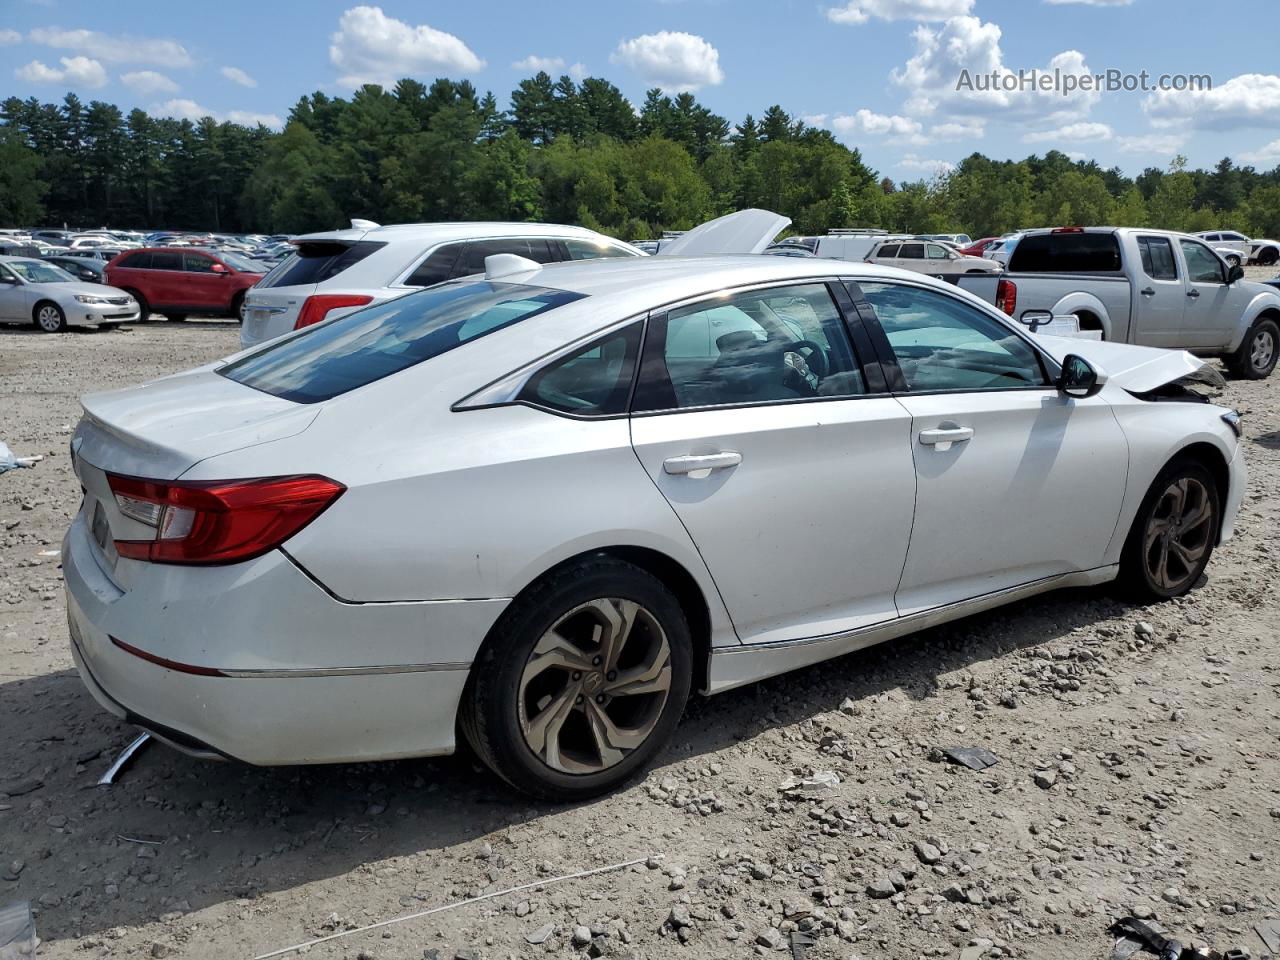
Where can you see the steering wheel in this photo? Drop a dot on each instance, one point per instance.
(802, 373)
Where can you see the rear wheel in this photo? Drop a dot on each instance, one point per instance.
(1268, 256)
(1257, 355)
(582, 681)
(1173, 535)
(48, 317)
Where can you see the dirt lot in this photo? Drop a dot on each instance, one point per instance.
(1139, 772)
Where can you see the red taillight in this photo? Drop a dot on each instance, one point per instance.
(1067, 230)
(314, 309)
(1007, 296)
(218, 521)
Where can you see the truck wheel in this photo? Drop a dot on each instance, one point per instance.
(1257, 355)
(1088, 321)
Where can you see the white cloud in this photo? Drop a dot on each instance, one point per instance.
(182, 109)
(148, 81)
(1071, 133)
(1166, 144)
(1077, 156)
(115, 49)
(236, 75)
(898, 129)
(967, 129)
(919, 164)
(534, 63)
(1265, 157)
(1093, 3)
(967, 47)
(1249, 100)
(75, 72)
(9, 37)
(676, 62)
(860, 11)
(815, 119)
(578, 71)
(370, 47)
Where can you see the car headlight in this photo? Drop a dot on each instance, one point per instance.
(85, 298)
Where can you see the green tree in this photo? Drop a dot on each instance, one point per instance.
(21, 189)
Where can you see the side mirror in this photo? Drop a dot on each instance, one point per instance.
(1079, 378)
(9, 280)
(1235, 273)
(1035, 319)
(219, 268)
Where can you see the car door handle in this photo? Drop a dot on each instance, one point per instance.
(1147, 292)
(1193, 294)
(701, 465)
(943, 437)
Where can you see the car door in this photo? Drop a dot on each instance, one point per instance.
(200, 285)
(1206, 319)
(1159, 295)
(163, 285)
(13, 296)
(886, 254)
(938, 261)
(1015, 481)
(911, 257)
(784, 459)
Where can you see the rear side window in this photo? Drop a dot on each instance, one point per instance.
(912, 251)
(537, 249)
(436, 268)
(1066, 253)
(317, 262)
(136, 261)
(1157, 258)
(592, 382)
(593, 249)
(359, 348)
(889, 250)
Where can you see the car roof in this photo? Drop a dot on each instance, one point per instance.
(6, 259)
(450, 231)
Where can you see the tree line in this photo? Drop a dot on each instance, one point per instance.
(564, 151)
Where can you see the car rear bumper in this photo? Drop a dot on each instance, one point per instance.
(259, 711)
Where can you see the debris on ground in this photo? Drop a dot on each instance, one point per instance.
(8, 461)
(975, 758)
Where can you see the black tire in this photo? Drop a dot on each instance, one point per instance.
(175, 317)
(48, 317)
(144, 308)
(1136, 577)
(490, 711)
(237, 307)
(1258, 352)
(1268, 256)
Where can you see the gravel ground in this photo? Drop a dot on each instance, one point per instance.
(1139, 772)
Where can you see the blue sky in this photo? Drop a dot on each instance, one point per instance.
(880, 73)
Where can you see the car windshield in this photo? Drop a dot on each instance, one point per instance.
(242, 263)
(361, 347)
(33, 271)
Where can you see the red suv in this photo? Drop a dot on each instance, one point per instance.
(185, 280)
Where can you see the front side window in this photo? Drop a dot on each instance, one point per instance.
(944, 344)
(339, 355)
(1203, 265)
(784, 343)
(1157, 258)
(196, 263)
(1233, 237)
(594, 381)
(936, 252)
(594, 249)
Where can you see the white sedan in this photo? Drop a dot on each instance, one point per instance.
(39, 293)
(544, 505)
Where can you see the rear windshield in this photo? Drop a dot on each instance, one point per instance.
(359, 348)
(1066, 253)
(318, 261)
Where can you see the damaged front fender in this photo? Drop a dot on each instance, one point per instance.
(1143, 371)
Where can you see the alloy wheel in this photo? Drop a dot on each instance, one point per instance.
(49, 318)
(594, 686)
(1262, 349)
(1178, 533)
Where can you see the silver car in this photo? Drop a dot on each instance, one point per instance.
(39, 293)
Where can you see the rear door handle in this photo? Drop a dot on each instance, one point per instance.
(701, 466)
(941, 438)
(1147, 292)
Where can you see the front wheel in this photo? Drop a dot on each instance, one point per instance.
(1233, 261)
(1173, 535)
(237, 308)
(581, 682)
(49, 317)
(175, 317)
(1257, 355)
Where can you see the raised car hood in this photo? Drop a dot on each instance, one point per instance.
(163, 428)
(1137, 369)
(747, 231)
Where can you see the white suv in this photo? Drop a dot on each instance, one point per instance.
(339, 271)
(928, 257)
(1235, 248)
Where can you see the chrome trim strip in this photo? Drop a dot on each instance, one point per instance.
(270, 674)
(736, 666)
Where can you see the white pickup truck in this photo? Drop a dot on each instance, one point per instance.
(1149, 287)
